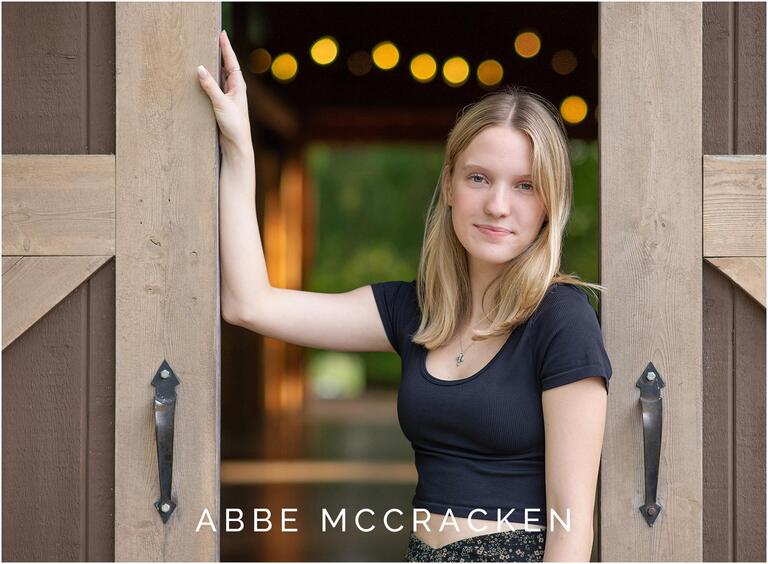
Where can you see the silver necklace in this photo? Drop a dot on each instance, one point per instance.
(460, 357)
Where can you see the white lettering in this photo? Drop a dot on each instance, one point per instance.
(553, 514)
(256, 519)
(285, 519)
(357, 520)
(342, 516)
(386, 522)
(239, 519)
(471, 526)
(449, 513)
(499, 520)
(416, 520)
(531, 509)
(262, 520)
(209, 521)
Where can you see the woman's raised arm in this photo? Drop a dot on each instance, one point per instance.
(346, 321)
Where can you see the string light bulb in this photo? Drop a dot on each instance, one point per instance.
(324, 50)
(385, 55)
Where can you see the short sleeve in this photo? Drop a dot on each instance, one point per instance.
(395, 301)
(568, 341)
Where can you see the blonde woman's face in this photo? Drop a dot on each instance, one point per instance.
(492, 185)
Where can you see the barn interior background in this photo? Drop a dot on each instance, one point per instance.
(354, 106)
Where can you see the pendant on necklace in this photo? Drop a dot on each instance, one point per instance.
(460, 359)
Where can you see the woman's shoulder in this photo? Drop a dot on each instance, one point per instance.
(399, 292)
(560, 291)
(562, 300)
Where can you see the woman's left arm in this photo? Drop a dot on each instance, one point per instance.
(574, 422)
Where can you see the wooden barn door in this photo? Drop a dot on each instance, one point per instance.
(110, 277)
(684, 455)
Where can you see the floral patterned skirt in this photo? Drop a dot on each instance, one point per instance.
(516, 545)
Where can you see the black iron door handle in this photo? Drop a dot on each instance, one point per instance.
(165, 382)
(650, 384)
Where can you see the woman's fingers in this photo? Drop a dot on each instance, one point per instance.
(228, 54)
(209, 85)
(230, 59)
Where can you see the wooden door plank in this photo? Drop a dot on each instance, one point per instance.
(8, 263)
(650, 254)
(33, 285)
(59, 78)
(749, 428)
(58, 205)
(747, 73)
(58, 430)
(718, 425)
(747, 272)
(167, 275)
(734, 205)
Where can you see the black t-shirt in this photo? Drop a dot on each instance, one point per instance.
(479, 441)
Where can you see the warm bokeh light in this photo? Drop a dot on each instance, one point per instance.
(284, 67)
(423, 67)
(527, 44)
(385, 55)
(564, 62)
(573, 109)
(455, 71)
(490, 72)
(259, 61)
(324, 50)
(359, 63)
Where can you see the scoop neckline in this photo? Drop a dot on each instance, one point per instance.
(440, 381)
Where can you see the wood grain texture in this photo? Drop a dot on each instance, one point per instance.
(167, 275)
(58, 376)
(734, 78)
(733, 115)
(58, 430)
(650, 174)
(33, 285)
(747, 272)
(58, 205)
(749, 77)
(100, 393)
(717, 98)
(8, 263)
(749, 437)
(734, 205)
(734, 428)
(718, 425)
(58, 77)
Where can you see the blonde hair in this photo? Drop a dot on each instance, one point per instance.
(443, 284)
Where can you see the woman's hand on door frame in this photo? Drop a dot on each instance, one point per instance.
(230, 106)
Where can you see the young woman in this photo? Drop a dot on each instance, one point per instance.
(503, 361)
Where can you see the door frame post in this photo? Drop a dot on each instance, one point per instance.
(650, 139)
(167, 276)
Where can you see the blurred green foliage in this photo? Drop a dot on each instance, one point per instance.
(372, 202)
